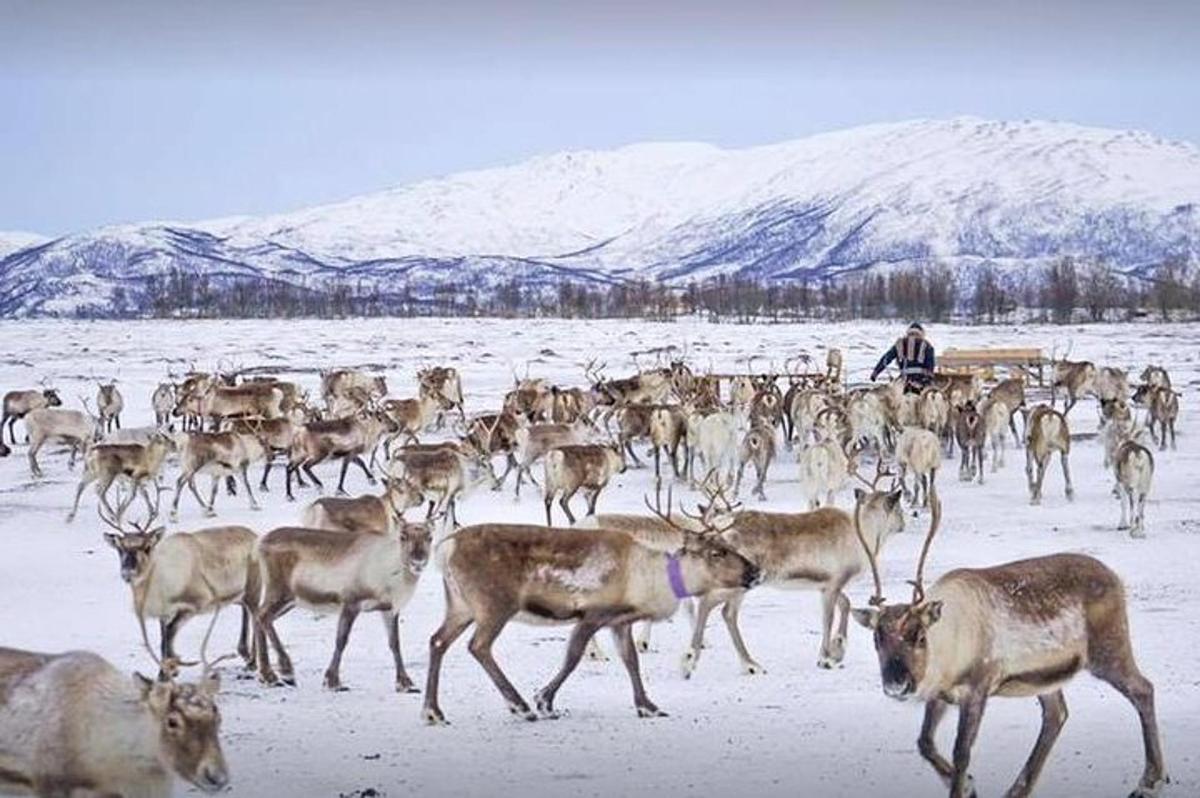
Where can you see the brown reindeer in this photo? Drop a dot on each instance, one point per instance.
(571, 468)
(221, 455)
(18, 404)
(348, 438)
(1046, 432)
(1020, 629)
(971, 433)
(109, 404)
(596, 578)
(668, 431)
(758, 447)
(139, 464)
(1078, 377)
(443, 383)
(1163, 410)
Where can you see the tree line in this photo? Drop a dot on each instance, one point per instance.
(1066, 290)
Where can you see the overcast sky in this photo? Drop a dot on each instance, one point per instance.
(128, 111)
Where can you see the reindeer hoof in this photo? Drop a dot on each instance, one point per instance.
(289, 680)
(688, 664)
(545, 707)
(335, 684)
(523, 712)
(650, 711)
(407, 687)
(753, 669)
(1151, 791)
(643, 646)
(828, 663)
(434, 717)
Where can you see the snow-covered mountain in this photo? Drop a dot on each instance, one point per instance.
(959, 191)
(11, 241)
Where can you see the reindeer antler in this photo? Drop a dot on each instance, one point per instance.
(877, 599)
(881, 471)
(918, 584)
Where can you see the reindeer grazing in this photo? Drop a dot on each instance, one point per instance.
(1020, 629)
(443, 474)
(163, 402)
(347, 438)
(186, 574)
(535, 440)
(220, 455)
(109, 404)
(918, 450)
(824, 469)
(817, 550)
(332, 570)
(1046, 432)
(18, 404)
(971, 432)
(597, 578)
(668, 431)
(380, 515)
(1163, 407)
(49, 424)
(138, 463)
(1078, 377)
(74, 725)
(357, 386)
(569, 469)
(443, 383)
(758, 447)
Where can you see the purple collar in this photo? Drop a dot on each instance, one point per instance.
(675, 577)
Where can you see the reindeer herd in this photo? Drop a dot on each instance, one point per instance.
(1017, 629)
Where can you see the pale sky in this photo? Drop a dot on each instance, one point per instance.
(117, 112)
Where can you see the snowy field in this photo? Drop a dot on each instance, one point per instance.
(795, 731)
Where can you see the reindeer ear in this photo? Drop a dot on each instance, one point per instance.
(143, 684)
(113, 540)
(868, 617)
(860, 495)
(931, 613)
(156, 535)
(893, 499)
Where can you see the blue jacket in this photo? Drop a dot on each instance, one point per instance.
(914, 354)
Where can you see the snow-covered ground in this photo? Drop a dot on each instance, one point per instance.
(795, 731)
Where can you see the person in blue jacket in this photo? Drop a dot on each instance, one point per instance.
(915, 356)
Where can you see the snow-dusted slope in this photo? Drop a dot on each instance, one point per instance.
(11, 241)
(960, 190)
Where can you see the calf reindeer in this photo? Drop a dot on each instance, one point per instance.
(597, 578)
(186, 574)
(586, 467)
(18, 404)
(983, 632)
(137, 463)
(380, 515)
(221, 455)
(74, 725)
(1046, 432)
(410, 417)
(109, 404)
(970, 429)
(349, 574)
(919, 451)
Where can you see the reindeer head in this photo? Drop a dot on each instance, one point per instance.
(709, 559)
(902, 630)
(134, 549)
(52, 398)
(189, 726)
(107, 393)
(416, 541)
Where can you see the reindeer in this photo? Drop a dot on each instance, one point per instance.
(106, 462)
(443, 383)
(527, 399)
(495, 433)
(633, 424)
(668, 431)
(597, 578)
(933, 413)
(77, 430)
(109, 404)
(332, 570)
(833, 367)
(1011, 393)
(1134, 467)
(647, 387)
(346, 438)
(997, 418)
(758, 447)
(1019, 629)
(1163, 405)
(276, 435)
(219, 401)
(74, 725)
(18, 404)
(163, 401)
(535, 440)
(868, 421)
(381, 515)
(1077, 377)
(1156, 376)
(824, 468)
(817, 550)
(1046, 432)
(186, 574)
(1111, 383)
(714, 438)
(220, 455)
(918, 450)
(411, 416)
(570, 468)
(971, 432)
(442, 474)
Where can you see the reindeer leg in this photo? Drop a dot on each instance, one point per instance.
(691, 657)
(458, 619)
(486, 632)
(970, 714)
(1125, 495)
(564, 502)
(548, 500)
(179, 483)
(262, 485)
(591, 496)
(629, 449)
(211, 509)
(1119, 669)
(34, 448)
(1066, 469)
(391, 622)
(308, 469)
(341, 488)
(730, 613)
(1054, 715)
(86, 480)
(246, 484)
(935, 710)
(1041, 477)
(623, 635)
(581, 636)
(829, 601)
(643, 639)
(358, 461)
(333, 679)
(273, 606)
